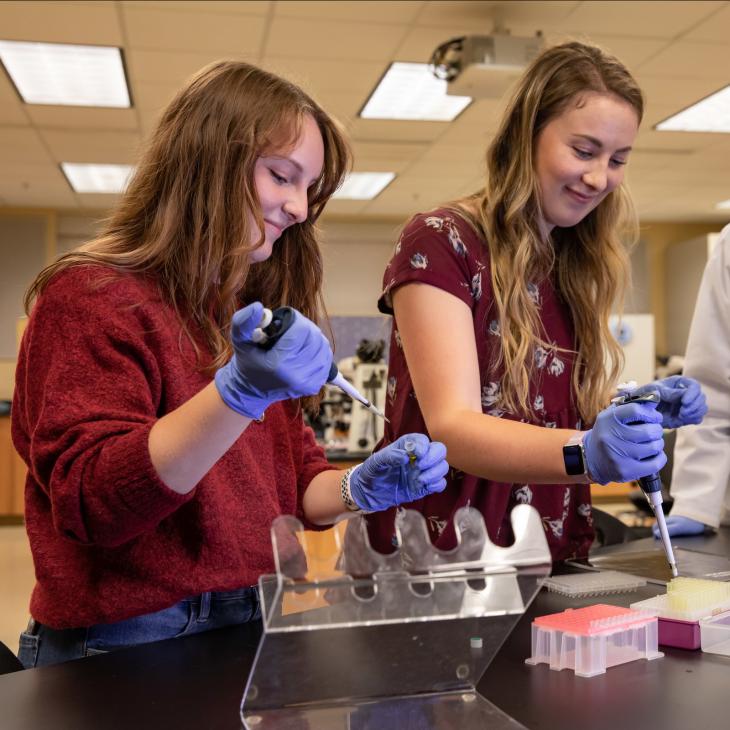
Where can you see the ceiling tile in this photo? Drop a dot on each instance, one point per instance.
(85, 146)
(34, 185)
(11, 107)
(249, 7)
(162, 29)
(368, 10)
(675, 92)
(318, 76)
(635, 18)
(332, 40)
(632, 52)
(95, 23)
(21, 144)
(154, 97)
(716, 29)
(344, 107)
(482, 16)
(685, 60)
(77, 117)
(173, 67)
(384, 129)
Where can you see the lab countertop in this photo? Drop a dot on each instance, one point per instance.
(197, 682)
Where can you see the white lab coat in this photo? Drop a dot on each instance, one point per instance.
(701, 476)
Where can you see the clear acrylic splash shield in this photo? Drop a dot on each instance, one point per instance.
(355, 639)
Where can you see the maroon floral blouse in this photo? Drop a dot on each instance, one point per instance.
(441, 249)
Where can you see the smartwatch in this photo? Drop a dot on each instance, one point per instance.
(574, 457)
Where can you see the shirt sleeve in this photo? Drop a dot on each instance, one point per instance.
(439, 249)
(88, 392)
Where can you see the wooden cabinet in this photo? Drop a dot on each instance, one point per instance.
(12, 473)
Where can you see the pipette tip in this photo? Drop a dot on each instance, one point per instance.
(377, 412)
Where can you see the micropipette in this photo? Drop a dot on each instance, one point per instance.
(272, 327)
(651, 485)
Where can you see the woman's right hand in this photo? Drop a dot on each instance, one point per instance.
(297, 365)
(626, 443)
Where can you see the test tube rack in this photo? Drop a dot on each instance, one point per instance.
(590, 640)
(679, 611)
(354, 638)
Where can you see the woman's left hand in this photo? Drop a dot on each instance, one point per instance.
(682, 400)
(408, 469)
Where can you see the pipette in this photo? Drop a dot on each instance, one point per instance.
(272, 327)
(651, 485)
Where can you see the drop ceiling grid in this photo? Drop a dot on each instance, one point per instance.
(339, 50)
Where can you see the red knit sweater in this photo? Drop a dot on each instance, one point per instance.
(102, 359)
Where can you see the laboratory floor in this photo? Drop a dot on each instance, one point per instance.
(16, 583)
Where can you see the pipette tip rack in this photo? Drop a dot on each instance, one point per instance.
(686, 602)
(591, 639)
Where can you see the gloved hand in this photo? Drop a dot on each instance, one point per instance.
(297, 365)
(625, 443)
(388, 478)
(678, 525)
(682, 400)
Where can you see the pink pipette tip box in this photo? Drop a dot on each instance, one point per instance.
(591, 639)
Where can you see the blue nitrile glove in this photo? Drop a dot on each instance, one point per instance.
(297, 365)
(683, 402)
(389, 477)
(625, 443)
(678, 526)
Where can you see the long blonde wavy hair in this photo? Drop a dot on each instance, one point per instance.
(186, 217)
(589, 261)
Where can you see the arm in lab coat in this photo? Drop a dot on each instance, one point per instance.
(702, 453)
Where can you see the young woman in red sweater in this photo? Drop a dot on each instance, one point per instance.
(160, 440)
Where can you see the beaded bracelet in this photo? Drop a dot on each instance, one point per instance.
(345, 492)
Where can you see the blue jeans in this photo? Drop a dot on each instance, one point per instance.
(41, 645)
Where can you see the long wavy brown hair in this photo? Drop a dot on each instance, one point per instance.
(589, 261)
(187, 214)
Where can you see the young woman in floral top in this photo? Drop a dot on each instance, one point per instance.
(500, 342)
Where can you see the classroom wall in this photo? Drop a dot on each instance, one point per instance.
(657, 237)
(26, 239)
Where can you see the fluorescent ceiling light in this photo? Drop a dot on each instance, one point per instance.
(723, 205)
(411, 91)
(86, 178)
(711, 114)
(363, 185)
(59, 73)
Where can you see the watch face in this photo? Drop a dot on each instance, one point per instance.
(573, 458)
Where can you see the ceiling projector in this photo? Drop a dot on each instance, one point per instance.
(483, 66)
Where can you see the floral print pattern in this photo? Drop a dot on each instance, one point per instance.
(491, 393)
(442, 250)
(419, 261)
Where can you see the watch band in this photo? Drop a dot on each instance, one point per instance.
(574, 457)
